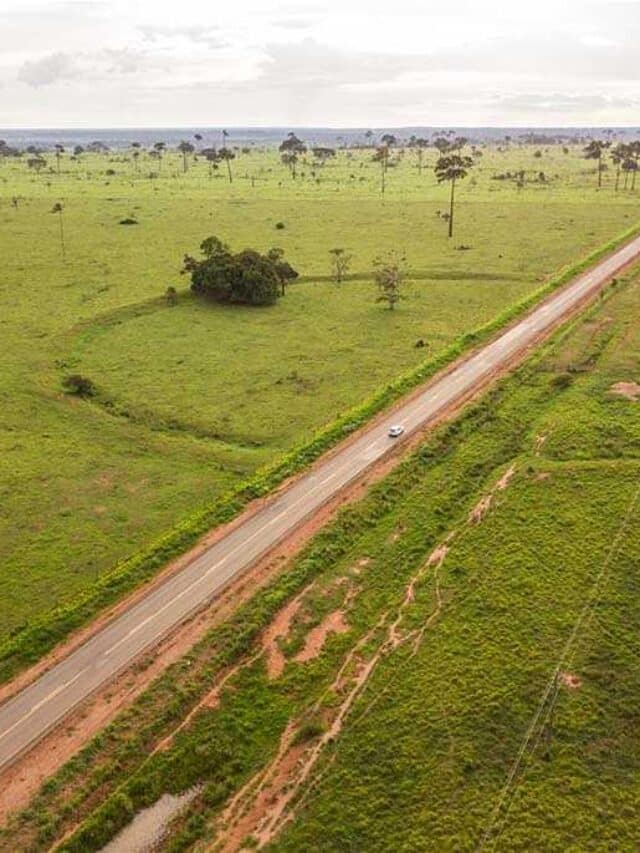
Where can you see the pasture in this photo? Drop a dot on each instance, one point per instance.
(194, 398)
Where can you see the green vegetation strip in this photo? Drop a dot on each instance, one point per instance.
(33, 641)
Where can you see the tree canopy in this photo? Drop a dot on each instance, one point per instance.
(246, 277)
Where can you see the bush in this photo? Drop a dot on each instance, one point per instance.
(562, 380)
(247, 277)
(309, 731)
(78, 385)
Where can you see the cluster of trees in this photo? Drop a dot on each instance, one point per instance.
(251, 278)
(625, 156)
(247, 277)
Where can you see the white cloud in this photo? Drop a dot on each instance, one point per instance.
(337, 62)
(47, 70)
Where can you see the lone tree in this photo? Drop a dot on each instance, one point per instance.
(158, 151)
(340, 263)
(36, 163)
(382, 156)
(185, 148)
(618, 155)
(227, 155)
(452, 168)
(59, 149)
(595, 150)
(246, 277)
(292, 144)
(322, 154)
(57, 208)
(389, 274)
(290, 160)
(211, 156)
(419, 143)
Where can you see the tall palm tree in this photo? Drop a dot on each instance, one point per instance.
(452, 168)
(419, 143)
(159, 147)
(227, 155)
(59, 152)
(185, 148)
(618, 155)
(382, 156)
(58, 208)
(595, 151)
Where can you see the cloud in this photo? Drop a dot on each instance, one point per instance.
(48, 70)
(208, 35)
(125, 61)
(563, 103)
(293, 24)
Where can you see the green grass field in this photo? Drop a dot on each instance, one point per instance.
(200, 397)
(458, 649)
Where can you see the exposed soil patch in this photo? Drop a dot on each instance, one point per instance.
(570, 680)
(397, 533)
(542, 475)
(333, 623)
(279, 630)
(538, 442)
(360, 565)
(629, 390)
(484, 504)
(269, 800)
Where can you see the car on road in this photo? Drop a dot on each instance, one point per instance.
(395, 431)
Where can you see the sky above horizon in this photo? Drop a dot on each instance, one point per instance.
(352, 63)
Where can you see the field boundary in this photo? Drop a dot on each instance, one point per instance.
(31, 642)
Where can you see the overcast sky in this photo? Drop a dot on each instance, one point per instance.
(360, 63)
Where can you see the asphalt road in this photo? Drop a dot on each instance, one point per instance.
(26, 717)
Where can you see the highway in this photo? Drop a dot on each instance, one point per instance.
(27, 716)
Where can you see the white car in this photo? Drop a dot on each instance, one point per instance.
(395, 431)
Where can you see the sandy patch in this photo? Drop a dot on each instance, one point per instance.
(628, 390)
(271, 798)
(397, 533)
(538, 443)
(570, 680)
(484, 504)
(279, 630)
(333, 623)
(360, 565)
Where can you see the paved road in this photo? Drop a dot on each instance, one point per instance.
(31, 713)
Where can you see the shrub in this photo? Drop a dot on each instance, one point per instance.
(309, 731)
(78, 385)
(562, 380)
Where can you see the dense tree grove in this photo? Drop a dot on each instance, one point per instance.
(246, 277)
